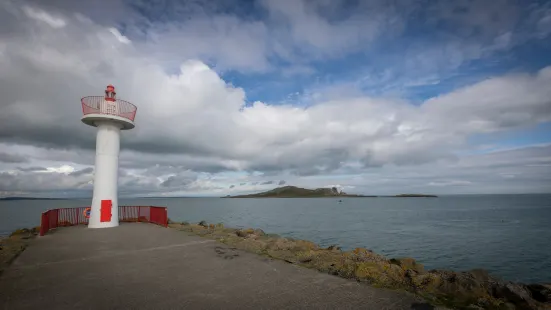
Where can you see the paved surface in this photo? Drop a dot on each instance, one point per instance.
(144, 266)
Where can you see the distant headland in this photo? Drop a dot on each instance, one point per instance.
(297, 192)
(30, 198)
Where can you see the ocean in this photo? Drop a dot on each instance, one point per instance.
(509, 235)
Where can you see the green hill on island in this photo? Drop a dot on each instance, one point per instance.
(297, 192)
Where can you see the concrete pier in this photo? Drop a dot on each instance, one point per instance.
(144, 266)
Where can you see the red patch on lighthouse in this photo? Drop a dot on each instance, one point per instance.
(105, 211)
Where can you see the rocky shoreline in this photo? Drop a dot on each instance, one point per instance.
(474, 289)
(14, 244)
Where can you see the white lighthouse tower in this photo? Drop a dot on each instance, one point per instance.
(110, 115)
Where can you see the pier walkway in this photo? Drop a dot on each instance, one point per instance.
(145, 266)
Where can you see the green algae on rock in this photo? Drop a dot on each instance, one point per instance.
(12, 246)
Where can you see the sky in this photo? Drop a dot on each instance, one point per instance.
(373, 97)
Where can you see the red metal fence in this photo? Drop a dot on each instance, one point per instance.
(98, 105)
(74, 216)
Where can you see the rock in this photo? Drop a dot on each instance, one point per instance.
(252, 245)
(259, 232)
(380, 273)
(517, 294)
(241, 233)
(303, 245)
(203, 223)
(365, 255)
(408, 263)
(250, 233)
(540, 292)
(279, 244)
(333, 248)
(426, 282)
(21, 231)
(508, 306)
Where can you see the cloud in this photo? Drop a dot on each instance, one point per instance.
(84, 171)
(34, 180)
(450, 183)
(32, 169)
(12, 158)
(232, 186)
(44, 17)
(193, 125)
(312, 140)
(281, 182)
(180, 181)
(119, 36)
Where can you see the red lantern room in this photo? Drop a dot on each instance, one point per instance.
(110, 94)
(108, 107)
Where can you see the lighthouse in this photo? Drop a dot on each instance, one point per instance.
(110, 115)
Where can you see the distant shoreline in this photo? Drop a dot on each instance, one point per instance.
(297, 192)
(33, 198)
(347, 196)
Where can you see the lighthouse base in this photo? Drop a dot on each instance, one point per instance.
(104, 211)
(106, 218)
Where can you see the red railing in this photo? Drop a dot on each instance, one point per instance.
(74, 216)
(98, 105)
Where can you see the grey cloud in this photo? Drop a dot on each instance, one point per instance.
(305, 146)
(48, 181)
(281, 182)
(232, 186)
(515, 171)
(179, 181)
(31, 169)
(12, 158)
(241, 184)
(84, 171)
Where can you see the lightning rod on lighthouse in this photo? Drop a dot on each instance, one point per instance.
(110, 115)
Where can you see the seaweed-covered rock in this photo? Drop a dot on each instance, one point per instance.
(259, 232)
(364, 255)
(408, 263)
(516, 294)
(19, 232)
(203, 223)
(381, 274)
(540, 292)
(242, 233)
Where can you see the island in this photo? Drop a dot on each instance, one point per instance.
(298, 192)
